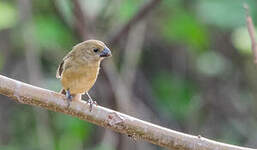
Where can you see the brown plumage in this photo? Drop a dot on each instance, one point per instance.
(79, 69)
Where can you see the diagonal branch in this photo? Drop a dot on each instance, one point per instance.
(251, 31)
(135, 19)
(138, 129)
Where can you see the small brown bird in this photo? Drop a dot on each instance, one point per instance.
(79, 69)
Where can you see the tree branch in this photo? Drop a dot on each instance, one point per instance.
(80, 21)
(251, 31)
(138, 129)
(136, 18)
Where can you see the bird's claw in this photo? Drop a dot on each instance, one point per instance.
(69, 98)
(69, 101)
(91, 102)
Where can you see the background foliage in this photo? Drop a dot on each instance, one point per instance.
(187, 66)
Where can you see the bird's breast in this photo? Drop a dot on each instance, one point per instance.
(80, 79)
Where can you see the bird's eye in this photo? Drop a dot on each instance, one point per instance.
(96, 50)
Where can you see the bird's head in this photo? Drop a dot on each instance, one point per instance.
(92, 50)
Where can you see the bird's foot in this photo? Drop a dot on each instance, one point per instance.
(69, 98)
(91, 102)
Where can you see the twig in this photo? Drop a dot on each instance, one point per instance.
(251, 31)
(138, 129)
(137, 17)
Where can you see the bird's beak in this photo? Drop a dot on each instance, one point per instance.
(106, 52)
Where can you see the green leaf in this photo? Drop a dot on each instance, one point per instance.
(72, 131)
(225, 14)
(75, 126)
(8, 15)
(174, 93)
(51, 33)
(2, 60)
(211, 63)
(128, 8)
(184, 28)
(9, 147)
(241, 40)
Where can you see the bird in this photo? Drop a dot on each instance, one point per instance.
(79, 69)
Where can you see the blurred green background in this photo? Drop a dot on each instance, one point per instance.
(186, 65)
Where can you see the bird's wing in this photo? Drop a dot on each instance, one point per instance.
(59, 70)
(61, 66)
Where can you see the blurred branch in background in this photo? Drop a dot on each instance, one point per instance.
(251, 31)
(137, 129)
(123, 82)
(134, 20)
(35, 76)
(81, 20)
